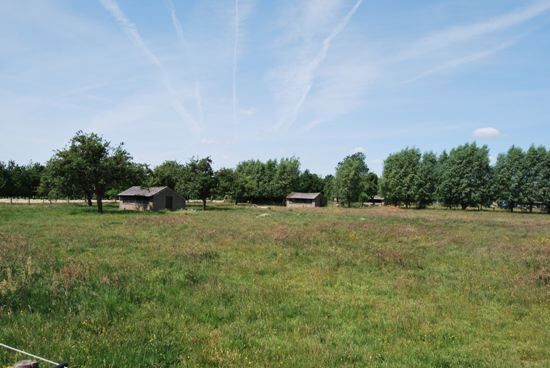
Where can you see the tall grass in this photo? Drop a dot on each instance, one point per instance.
(234, 287)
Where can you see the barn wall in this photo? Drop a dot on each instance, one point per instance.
(132, 204)
(159, 200)
(317, 202)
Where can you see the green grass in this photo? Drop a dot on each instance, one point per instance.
(235, 287)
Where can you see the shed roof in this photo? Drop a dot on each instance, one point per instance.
(138, 191)
(298, 195)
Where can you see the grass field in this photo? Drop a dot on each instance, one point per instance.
(235, 287)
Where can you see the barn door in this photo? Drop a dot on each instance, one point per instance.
(169, 202)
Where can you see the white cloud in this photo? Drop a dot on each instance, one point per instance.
(131, 30)
(359, 149)
(449, 37)
(454, 63)
(486, 133)
(297, 79)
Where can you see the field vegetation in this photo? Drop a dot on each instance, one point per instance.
(240, 286)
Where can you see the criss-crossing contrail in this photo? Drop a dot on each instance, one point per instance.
(132, 32)
(314, 64)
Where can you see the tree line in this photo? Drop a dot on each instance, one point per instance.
(90, 167)
(464, 178)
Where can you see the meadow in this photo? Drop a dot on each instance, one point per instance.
(241, 286)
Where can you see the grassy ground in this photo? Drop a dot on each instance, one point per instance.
(237, 287)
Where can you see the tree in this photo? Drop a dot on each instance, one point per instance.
(3, 178)
(510, 177)
(310, 183)
(544, 188)
(370, 187)
(465, 177)
(536, 182)
(27, 180)
(426, 180)
(400, 176)
(9, 186)
(225, 183)
(329, 189)
(54, 186)
(350, 175)
(168, 174)
(92, 165)
(198, 180)
(287, 177)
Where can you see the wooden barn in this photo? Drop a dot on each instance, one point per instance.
(150, 199)
(296, 199)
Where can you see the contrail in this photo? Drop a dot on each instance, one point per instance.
(178, 27)
(312, 67)
(235, 56)
(185, 45)
(131, 30)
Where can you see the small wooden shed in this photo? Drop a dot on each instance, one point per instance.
(296, 199)
(150, 199)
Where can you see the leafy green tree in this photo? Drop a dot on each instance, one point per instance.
(400, 176)
(465, 177)
(370, 187)
(168, 174)
(28, 180)
(536, 165)
(3, 177)
(225, 183)
(426, 180)
(544, 188)
(329, 190)
(138, 174)
(198, 180)
(310, 183)
(9, 186)
(350, 176)
(287, 177)
(510, 177)
(54, 186)
(92, 165)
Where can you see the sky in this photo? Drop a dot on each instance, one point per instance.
(259, 79)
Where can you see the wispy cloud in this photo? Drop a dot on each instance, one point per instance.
(459, 34)
(235, 58)
(185, 45)
(177, 26)
(132, 32)
(302, 76)
(463, 60)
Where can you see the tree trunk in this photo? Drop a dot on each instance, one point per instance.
(530, 208)
(349, 203)
(11, 200)
(464, 206)
(99, 200)
(204, 204)
(89, 197)
(29, 201)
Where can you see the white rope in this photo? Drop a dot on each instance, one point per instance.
(29, 354)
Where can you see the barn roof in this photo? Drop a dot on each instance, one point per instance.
(138, 191)
(298, 195)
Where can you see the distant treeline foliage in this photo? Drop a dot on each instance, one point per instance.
(465, 178)
(90, 167)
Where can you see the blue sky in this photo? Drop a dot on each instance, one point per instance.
(235, 80)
